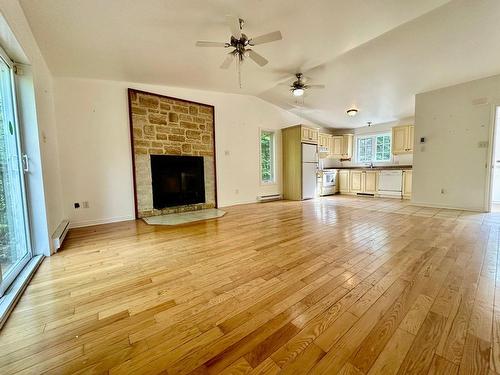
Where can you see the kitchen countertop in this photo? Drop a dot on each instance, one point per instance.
(376, 168)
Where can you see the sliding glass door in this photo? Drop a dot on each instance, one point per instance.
(15, 249)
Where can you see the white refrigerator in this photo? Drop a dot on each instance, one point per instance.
(309, 170)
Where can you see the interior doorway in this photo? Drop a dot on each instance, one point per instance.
(495, 177)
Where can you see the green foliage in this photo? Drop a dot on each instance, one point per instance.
(266, 156)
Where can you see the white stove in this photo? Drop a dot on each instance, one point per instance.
(327, 181)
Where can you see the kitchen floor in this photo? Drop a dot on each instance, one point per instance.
(404, 207)
(336, 285)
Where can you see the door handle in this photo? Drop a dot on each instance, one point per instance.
(26, 163)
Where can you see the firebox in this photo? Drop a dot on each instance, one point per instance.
(177, 180)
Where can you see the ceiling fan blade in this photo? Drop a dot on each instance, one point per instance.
(266, 38)
(259, 59)
(316, 86)
(203, 43)
(234, 25)
(227, 61)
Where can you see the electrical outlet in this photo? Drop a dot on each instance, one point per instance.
(237, 191)
(442, 191)
(85, 204)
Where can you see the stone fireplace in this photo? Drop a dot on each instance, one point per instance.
(173, 154)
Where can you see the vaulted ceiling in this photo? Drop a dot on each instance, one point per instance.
(374, 55)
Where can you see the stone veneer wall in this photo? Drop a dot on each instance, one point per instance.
(167, 126)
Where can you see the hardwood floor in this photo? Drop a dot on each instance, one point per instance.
(338, 285)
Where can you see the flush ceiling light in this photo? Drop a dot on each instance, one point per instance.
(352, 112)
(298, 92)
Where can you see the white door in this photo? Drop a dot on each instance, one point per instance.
(309, 153)
(309, 180)
(495, 196)
(496, 181)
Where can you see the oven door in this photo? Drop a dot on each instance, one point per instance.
(328, 178)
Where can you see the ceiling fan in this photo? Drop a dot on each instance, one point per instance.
(299, 87)
(240, 43)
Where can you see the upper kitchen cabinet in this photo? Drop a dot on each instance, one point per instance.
(341, 146)
(309, 135)
(336, 147)
(347, 146)
(325, 145)
(402, 139)
(324, 140)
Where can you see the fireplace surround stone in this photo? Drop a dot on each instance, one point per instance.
(161, 125)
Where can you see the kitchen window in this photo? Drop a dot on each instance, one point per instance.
(267, 157)
(373, 148)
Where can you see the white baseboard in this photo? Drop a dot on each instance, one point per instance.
(432, 205)
(88, 223)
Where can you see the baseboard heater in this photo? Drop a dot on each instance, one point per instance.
(60, 234)
(268, 198)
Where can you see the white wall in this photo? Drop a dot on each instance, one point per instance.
(43, 140)
(454, 120)
(94, 141)
(405, 159)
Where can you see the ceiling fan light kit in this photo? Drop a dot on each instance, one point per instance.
(298, 92)
(299, 87)
(352, 112)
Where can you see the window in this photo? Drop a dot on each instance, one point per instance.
(267, 157)
(365, 150)
(373, 148)
(383, 148)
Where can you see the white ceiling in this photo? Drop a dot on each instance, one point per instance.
(372, 54)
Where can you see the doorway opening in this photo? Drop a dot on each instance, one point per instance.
(495, 169)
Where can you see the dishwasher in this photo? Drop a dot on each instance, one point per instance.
(391, 183)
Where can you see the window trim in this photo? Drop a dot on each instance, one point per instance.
(273, 181)
(373, 136)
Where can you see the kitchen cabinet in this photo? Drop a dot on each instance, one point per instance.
(337, 146)
(341, 146)
(356, 181)
(309, 135)
(402, 139)
(347, 146)
(370, 182)
(407, 181)
(344, 181)
(325, 144)
(365, 182)
(324, 140)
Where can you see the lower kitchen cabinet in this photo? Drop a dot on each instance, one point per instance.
(344, 181)
(364, 182)
(407, 181)
(370, 180)
(356, 181)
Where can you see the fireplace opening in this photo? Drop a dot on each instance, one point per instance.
(177, 180)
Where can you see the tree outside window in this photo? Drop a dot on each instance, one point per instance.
(373, 148)
(267, 157)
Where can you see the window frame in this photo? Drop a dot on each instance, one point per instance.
(373, 137)
(272, 181)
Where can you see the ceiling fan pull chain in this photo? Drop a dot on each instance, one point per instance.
(239, 72)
